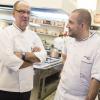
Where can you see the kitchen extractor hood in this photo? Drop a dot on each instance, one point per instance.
(50, 14)
(5, 12)
(44, 13)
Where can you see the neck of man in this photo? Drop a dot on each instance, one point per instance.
(83, 36)
(20, 27)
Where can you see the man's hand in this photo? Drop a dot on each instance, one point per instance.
(93, 89)
(36, 49)
(18, 54)
(25, 63)
(30, 56)
(63, 56)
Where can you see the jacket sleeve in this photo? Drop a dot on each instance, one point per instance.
(42, 54)
(95, 73)
(10, 60)
(7, 57)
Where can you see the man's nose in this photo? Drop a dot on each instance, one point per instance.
(26, 14)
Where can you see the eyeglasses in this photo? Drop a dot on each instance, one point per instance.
(23, 12)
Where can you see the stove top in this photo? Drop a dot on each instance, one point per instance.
(48, 63)
(51, 60)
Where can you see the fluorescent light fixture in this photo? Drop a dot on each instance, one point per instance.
(87, 4)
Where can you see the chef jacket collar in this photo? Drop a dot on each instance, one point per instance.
(17, 27)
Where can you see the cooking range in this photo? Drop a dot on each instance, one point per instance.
(46, 78)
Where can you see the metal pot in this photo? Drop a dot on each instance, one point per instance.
(54, 53)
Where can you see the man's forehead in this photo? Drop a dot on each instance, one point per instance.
(23, 5)
(74, 15)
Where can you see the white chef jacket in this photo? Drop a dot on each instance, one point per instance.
(12, 40)
(82, 64)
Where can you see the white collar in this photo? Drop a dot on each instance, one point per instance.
(17, 27)
(90, 35)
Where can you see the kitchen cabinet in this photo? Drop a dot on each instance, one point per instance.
(47, 27)
(46, 79)
(48, 23)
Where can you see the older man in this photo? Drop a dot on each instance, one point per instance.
(20, 49)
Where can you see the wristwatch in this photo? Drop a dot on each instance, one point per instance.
(23, 56)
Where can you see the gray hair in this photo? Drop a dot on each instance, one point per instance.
(17, 2)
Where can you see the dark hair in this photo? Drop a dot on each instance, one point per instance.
(84, 16)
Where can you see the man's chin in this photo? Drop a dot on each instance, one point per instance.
(25, 25)
(71, 35)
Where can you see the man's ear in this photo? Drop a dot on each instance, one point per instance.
(13, 13)
(82, 25)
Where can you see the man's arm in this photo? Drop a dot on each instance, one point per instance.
(25, 63)
(29, 57)
(93, 89)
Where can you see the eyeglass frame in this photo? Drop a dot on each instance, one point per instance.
(23, 11)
